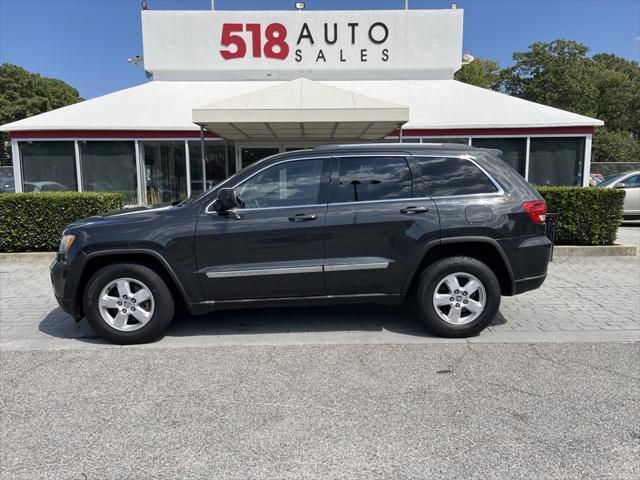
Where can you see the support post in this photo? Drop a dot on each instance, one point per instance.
(76, 148)
(587, 160)
(140, 175)
(187, 159)
(400, 135)
(17, 166)
(204, 165)
(526, 159)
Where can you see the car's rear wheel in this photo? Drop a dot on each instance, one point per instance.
(457, 297)
(128, 303)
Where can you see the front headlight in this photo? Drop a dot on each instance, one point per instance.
(65, 243)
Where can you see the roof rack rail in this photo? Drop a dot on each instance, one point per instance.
(345, 146)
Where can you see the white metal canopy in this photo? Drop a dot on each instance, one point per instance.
(301, 109)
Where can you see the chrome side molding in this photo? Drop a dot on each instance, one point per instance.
(330, 265)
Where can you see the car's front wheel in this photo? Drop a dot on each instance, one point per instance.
(128, 303)
(457, 296)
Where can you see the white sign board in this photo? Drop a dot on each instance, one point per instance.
(372, 44)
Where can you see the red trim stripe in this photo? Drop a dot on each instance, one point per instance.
(54, 134)
(110, 134)
(495, 131)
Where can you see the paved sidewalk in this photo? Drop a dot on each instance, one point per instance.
(583, 299)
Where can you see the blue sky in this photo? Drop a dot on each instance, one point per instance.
(87, 42)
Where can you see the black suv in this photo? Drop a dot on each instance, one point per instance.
(451, 226)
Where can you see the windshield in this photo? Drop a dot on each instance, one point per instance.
(612, 179)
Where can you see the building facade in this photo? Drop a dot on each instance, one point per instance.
(230, 88)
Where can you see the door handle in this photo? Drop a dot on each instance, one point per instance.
(412, 210)
(302, 217)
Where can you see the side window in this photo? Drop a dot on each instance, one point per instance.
(631, 182)
(363, 179)
(453, 176)
(287, 184)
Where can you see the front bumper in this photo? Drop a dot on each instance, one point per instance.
(59, 271)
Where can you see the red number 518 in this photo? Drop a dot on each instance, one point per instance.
(274, 47)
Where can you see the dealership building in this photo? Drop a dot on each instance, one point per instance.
(229, 88)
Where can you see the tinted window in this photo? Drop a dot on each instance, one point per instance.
(372, 178)
(48, 162)
(556, 161)
(514, 150)
(286, 184)
(453, 176)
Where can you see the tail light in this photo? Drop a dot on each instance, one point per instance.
(536, 210)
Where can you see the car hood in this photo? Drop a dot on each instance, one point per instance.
(126, 215)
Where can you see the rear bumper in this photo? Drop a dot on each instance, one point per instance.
(529, 262)
(530, 283)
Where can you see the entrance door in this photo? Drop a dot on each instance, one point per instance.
(273, 246)
(251, 154)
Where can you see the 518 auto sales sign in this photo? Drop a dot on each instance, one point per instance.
(323, 44)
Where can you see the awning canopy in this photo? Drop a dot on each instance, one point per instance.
(301, 109)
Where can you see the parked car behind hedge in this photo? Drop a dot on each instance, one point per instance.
(588, 216)
(35, 221)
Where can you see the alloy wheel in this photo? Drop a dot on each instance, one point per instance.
(126, 304)
(459, 298)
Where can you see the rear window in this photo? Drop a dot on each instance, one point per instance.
(453, 176)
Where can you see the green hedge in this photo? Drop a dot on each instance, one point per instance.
(588, 216)
(35, 221)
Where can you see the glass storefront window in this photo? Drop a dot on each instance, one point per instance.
(219, 163)
(461, 141)
(556, 161)
(514, 150)
(108, 166)
(165, 172)
(48, 166)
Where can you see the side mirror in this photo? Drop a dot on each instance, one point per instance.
(226, 200)
(620, 185)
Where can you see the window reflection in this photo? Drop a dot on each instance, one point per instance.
(556, 161)
(109, 167)
(165, 172)
(514, 150)
(287, 184)
(48, 166)
(372, 178)
(219, 164)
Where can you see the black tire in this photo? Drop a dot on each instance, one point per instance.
(162, 313)
(434, 274)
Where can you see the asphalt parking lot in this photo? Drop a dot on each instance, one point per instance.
(550, 390)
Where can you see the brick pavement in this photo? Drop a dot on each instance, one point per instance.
(581, 294)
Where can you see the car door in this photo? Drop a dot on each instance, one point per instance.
(273, 245)
(631, 186)
(378, 222)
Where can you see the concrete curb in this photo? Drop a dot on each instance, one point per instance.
(27, 257)
(595, 251)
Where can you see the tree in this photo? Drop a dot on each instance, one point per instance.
(481, 73)
(561, 74)
(618, 83)
(24, 94)
(614, 146)
(558, 74)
